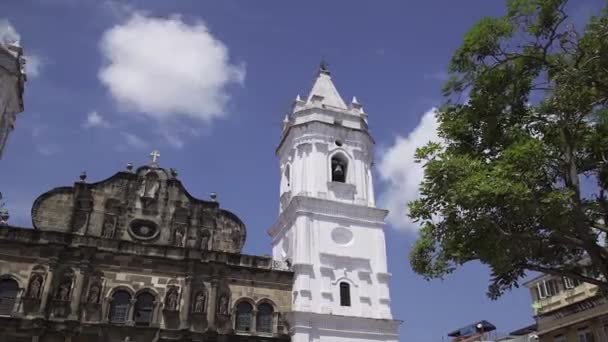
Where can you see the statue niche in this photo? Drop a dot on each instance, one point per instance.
(110, 218)
(205, 236)
(200, 302)
(34, 288)
(62, 294)
(148, 193)
(172, 298)
(94, 293)
(180, 227)
(83, 206)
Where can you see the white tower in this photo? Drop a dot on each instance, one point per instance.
(328, 227)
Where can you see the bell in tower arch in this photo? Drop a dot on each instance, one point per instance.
(338, 169)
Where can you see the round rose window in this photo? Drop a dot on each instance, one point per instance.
(143, 229)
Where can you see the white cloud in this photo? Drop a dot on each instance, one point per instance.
(164, 67)
(441, 76)
(134, 141)
(33, 65)
(401, 174)
(94, 119)
(8, 34)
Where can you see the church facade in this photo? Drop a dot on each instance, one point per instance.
(329, 228)
(136, 258)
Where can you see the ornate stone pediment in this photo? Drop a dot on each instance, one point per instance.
(148, 206)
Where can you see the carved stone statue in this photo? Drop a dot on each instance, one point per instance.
(108, 227)
(199, 302)
(94, 292)
(63, 293)
(205, 240)
(223, 305)
(179, 236)
(35, 286)
(171, 299)
(149, 186)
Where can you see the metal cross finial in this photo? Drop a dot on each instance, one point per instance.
(155, 155)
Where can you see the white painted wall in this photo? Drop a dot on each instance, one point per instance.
(331, 232)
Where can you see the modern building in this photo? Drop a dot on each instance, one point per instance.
(135, 257)
(475, 332)
(12, 80)
(567, 310)
(329, 228)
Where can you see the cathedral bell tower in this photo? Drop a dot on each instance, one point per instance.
(329, 228)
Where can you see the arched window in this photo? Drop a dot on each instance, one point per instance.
(243, 316)
(339, 167)
(264, 318)
(144, 306)
(344, 294)
(8, 294)
(288, 175)
(119, 308)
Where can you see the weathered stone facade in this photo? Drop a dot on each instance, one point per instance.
(12, 79)
(137, 258)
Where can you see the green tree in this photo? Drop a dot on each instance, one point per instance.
(523, 128)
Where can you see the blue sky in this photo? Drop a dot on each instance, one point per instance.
(83, 111)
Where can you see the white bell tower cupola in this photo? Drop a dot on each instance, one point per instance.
(329, 229)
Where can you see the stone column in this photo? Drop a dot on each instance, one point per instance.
(212, 304)
(185, 309)
(254, 320)
(46, 291)
(105, 309)
(76, 296)
(155, 314)
(130, 317)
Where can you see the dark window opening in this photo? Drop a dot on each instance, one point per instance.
(243, 316)
(344, 294)
(144, 306)
(8, 295)
(119, 309)
(264, 318)
(338, 169)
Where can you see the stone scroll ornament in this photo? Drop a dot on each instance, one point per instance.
(34, 289)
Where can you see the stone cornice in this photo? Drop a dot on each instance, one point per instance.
(361, 325)
(287, 136)
(304, 205)
(67, 241)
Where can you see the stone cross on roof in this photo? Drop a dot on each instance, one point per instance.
(155, 155)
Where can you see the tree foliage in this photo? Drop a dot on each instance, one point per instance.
(519, 181)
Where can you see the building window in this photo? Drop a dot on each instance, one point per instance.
(288, 175)
(264, 318)
(547, 288)
(243, 316)
(585, 335)
(8, 294)
(559, 338)
(119, 309)
(338, 169)
(570, 283)
(344, 294)
(144, 307)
